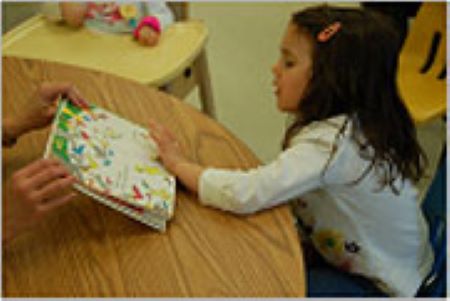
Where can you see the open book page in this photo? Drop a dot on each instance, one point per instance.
(114, 160)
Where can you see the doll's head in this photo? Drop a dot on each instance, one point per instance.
(148, 31)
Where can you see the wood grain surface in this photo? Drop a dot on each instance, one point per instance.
(85, 249)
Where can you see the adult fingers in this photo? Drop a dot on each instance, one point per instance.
(51, 91)
(56, 202)
(36, 166)
(52, 189)
(47, 175)
(76, 98)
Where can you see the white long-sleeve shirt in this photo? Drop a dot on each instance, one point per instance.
(359, 227)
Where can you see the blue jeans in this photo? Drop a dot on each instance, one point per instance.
(324, 280)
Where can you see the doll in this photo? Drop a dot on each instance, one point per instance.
(145, 20)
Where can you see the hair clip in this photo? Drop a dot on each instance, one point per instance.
(328, 31)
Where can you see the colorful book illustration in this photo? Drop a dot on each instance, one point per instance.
(114, 160)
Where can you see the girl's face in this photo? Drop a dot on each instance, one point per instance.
(293, 70)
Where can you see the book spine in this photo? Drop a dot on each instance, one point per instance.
(146, 217)
(48, 147)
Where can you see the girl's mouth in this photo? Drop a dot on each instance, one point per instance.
(276, 88)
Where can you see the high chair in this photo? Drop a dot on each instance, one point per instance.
(176, 65)
(422, 67)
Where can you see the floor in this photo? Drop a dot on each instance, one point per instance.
(242, 47)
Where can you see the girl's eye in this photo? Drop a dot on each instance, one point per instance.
(288, 64)
(285, 62)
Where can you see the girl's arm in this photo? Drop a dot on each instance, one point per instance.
(12, 130)
(170, 153)
(296, 171)
(189, 174)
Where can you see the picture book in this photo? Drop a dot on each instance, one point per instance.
(114, 161)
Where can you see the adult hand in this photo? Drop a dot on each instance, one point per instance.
(41, 109)
(169, 148)
(33, 192)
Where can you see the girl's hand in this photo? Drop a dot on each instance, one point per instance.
(148, 36)
(35, 190)
(42, 107)
(169, 148)
(173, 158)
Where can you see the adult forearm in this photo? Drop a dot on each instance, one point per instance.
(12, 130)
(9, 231)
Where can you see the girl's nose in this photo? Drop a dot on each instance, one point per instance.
(275, 69)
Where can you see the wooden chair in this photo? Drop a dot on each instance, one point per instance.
(422, 66)
(176, 65)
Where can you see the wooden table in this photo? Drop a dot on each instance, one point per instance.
(87, 250)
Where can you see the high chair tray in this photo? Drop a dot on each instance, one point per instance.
(117, 54)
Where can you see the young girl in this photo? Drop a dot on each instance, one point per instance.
(350, 158)
(145, 20)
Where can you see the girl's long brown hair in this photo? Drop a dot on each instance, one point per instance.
(354, 73)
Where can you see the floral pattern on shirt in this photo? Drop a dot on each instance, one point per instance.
(305, 218)
(332, 245)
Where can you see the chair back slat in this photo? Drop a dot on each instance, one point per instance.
(427, 39)
(422, 64)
